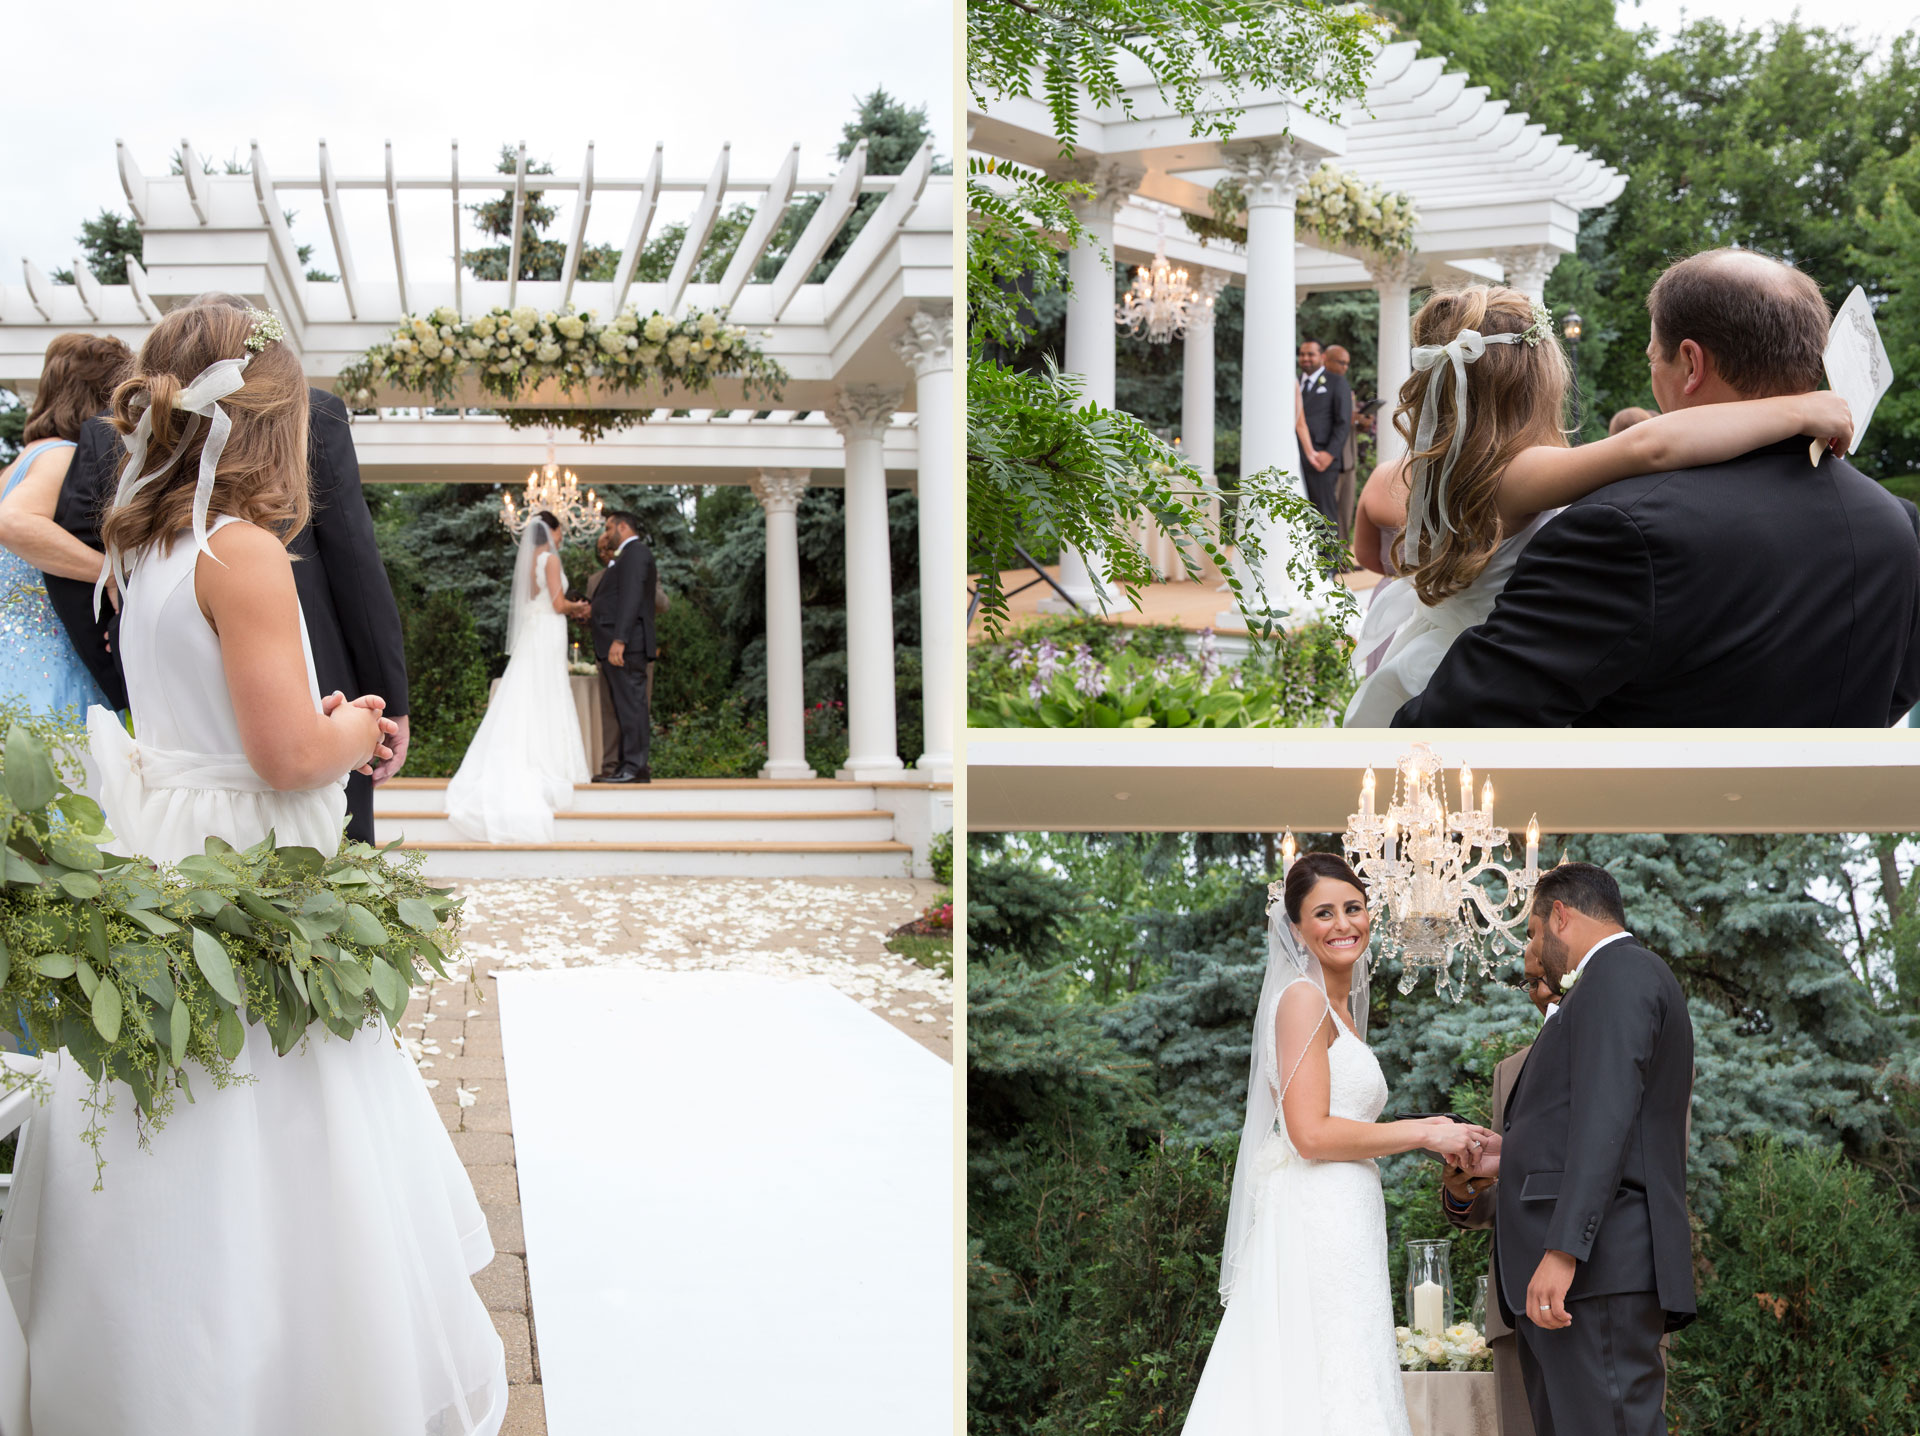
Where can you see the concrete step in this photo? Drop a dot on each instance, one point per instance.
(704, 795)
(671, 829)
(688, 859)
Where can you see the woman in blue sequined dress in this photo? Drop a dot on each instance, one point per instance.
(38, 665)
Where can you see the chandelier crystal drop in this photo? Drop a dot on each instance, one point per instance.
(1435, 905)
(1161, 301)
(557, 491)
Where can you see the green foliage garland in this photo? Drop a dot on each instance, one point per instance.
(137, 968)
(511, 352)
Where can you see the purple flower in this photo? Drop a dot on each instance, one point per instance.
(1047, 661)
(1089, 673)
(1209, 656)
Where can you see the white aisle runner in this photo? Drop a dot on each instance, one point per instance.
(737, 1197)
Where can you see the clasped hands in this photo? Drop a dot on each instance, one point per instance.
(385, 726)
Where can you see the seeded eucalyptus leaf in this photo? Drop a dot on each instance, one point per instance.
(265, 911)
(152, 922)
(300, 862)
(89, 979)
(79, 885)
(53, 964)
(19, 870)
(30, 780)
(142, 1020)
(233, 922)
(348, 877)
(206, 902)
(106, 1011)
(298, 979)
(363, 928)
(214, 964)
(6, 964)
(205, 869)
(70, 850)
(232, 1036)
(353, 977)
(388, 986)
(97, 935)
(83, 814)
(418, 914)
(180, 1025)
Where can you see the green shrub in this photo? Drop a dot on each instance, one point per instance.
(447, 678)
(1809, 1304)
(728, 740)
(695, 668)
(826, 736)
(940, 857)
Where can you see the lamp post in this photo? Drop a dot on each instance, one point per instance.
(1570, 330)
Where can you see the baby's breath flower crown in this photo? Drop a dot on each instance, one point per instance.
(267, 329)
(511, 352)
(137, 968)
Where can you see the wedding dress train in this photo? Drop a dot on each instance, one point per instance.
(1417, 635)
(527, 755)
(1306, 1346)
(292, 1254)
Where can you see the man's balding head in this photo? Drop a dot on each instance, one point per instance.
(1735, 319)
(1336, 358)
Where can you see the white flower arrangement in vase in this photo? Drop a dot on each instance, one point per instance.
(1459, 1348)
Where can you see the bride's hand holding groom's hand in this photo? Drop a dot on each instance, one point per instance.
(1460, 1144)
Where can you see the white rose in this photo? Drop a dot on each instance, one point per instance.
(476, 348)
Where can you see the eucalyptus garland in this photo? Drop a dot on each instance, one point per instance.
(511, 352)
(139, 969)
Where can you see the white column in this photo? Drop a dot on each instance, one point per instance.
(1527, 268)
(780, 492)
(861, 412)
(1395, 276)
(1091, 335)
(1196, 376)
(927, 348)
(1272, 173)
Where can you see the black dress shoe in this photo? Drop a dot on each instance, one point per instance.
(623, 775)
(643, 775)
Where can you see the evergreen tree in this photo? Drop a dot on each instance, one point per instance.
(540, 257)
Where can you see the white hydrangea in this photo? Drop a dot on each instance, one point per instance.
(485, 325)
(431, 346)
(446, 314)
(677, 348)
(612, 341)
(709, 325)
(571, 325)
(525, 317)
(658, 327)
(547, 352)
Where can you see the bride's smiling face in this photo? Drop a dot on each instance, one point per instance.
(1334, 922)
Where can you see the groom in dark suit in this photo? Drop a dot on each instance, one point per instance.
(622, 620)
(1591, 1254)
(1761, 592)
(353, 623)
(1327, 404)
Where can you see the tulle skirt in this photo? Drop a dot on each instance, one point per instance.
(292, 1254)
(527, 755)
(1306, 1347)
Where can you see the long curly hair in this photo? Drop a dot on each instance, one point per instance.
(1516, 399)
(79, 375)
(262, 474)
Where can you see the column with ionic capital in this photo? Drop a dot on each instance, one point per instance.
(1395, 276)
(1527, 268)
(1091, 331)
(862, 412)
(1272, 173)
(927, 348)
(1197, 401)
(780, 492)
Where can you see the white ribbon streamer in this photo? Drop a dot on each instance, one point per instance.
(1465, 347)
(200, 399)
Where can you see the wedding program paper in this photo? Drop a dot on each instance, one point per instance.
(1857, 365)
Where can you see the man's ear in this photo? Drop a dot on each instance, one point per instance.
(1698, 365)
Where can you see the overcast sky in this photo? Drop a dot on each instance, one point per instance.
(760, 73)
(1881, 19)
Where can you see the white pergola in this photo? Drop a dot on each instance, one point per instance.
(1499, 199)
(870, 401)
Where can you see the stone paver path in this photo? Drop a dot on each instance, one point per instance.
(821, 928)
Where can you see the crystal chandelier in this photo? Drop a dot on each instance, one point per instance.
(559, 493)
(1429, 905)
(1161, 301)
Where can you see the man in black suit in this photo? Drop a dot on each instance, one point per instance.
(1591, 1245)
(1327, 404)
(622, 619)
(352, 621)
(1762, 592)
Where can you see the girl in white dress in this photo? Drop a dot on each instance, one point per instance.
(527, 754)
(293, 1252)
(1480, 478)
(1306, 1346)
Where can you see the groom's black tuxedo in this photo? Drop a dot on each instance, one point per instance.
(1327, 402)
(353, 624)
(1758, 593)
(622, 611)
(1593, 1162)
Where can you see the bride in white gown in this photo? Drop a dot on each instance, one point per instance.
(293, 1252)
(527, 755)
(1480, 480)
(1306, 1346)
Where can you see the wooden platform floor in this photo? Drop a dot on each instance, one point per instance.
(1192, 606)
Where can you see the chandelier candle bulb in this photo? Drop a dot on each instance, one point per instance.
(1286, 852)
(1533, 845)
(1486, 802)
(1466, 788)
(1366, 795)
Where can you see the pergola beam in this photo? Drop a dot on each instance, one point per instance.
(190, 169)
(393, 223)
(458, 265)
(637, 231)
(820, 230)
(519, 216)
(577, 236)
(131, 180)
(699, 231)
(337, 229)
(759, 234)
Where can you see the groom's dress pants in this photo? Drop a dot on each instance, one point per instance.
(628, 688)
(1603, 1375)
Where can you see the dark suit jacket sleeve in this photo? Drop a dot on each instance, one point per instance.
(1611, 1030)
(1574, 623)
(636, 574)
(90, 473)
(1906, 688)
(343, 533)
(1342, 395)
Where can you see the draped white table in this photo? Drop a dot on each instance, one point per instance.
(1451, 1403)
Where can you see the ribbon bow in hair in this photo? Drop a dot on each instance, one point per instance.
(201, 400)
(1465, 347)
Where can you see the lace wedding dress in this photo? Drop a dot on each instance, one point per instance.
(527, 755)
(293, 1253)
(1306, 1347)
(1417, 635)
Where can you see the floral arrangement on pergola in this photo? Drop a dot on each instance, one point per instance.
(511, 352)
(1339, 207)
